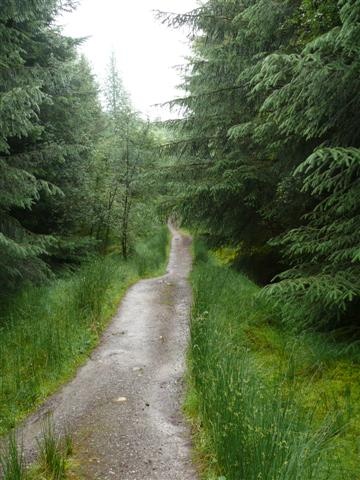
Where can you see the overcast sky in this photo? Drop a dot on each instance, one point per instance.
(146, 50)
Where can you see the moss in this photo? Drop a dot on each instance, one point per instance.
(226, 255)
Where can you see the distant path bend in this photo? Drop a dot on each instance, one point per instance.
(124, 405)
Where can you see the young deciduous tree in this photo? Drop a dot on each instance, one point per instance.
(123, 157)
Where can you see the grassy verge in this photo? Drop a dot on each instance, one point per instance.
(264, 403)
(54, 460)
(48, 331)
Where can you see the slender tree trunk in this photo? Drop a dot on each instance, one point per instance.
(125, 223)
(111, 201)
(126, 210)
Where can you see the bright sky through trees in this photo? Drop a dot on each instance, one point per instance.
(146, 51)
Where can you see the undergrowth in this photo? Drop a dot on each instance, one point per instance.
(47, 331)
(264, 403)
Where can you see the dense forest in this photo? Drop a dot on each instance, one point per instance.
(72, 173)
(269, 147)
(261, 165)
(266, 149)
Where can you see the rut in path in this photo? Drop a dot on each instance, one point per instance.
(124, 405)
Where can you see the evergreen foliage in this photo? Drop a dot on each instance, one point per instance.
(38, 66)
(71, 177)
(270, 143)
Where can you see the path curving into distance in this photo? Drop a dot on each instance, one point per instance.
(124, 405)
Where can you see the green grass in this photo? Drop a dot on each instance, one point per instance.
(265, 404)
(53, 454)
(12, 462)
(53, 459)
(48, 331)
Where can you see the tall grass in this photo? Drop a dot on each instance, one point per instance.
(152, 253)
(12, 466)
(53, 454)
(248, 410)
(52, 463)
(47, 331)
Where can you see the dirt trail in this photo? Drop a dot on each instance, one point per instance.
(124, 405)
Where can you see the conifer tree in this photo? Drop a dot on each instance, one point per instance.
(268, 145)
(322, 89)
(49, 111)
(24, 29)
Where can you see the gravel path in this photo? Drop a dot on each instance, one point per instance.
(124, 405)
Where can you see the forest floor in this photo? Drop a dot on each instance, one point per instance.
(124, 405)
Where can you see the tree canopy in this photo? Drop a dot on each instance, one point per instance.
(270, 138)
(69, 167)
